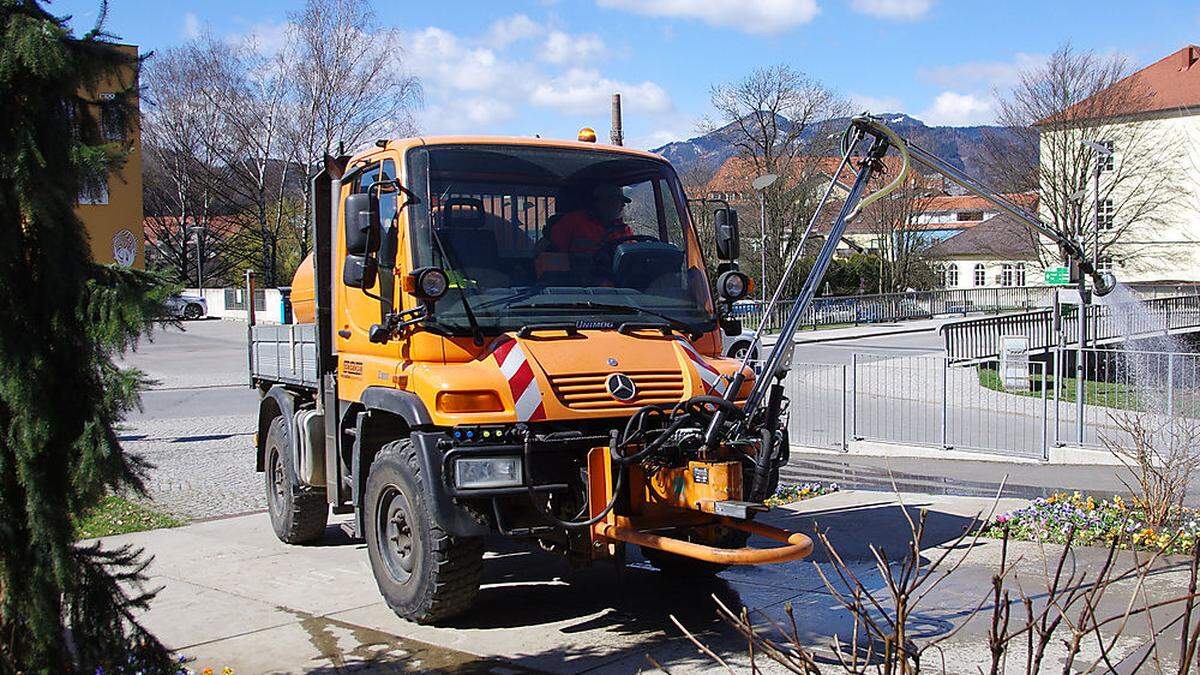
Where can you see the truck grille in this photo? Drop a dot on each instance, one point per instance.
(586, 391)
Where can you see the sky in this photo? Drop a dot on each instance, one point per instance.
(548, 67)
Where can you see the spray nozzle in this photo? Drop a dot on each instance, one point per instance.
(1103, 283)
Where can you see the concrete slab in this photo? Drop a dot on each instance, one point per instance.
(234, 596)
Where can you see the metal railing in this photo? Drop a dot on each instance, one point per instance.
(887, 307)
(976, 339)
(936, 402)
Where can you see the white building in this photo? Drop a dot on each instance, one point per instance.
(999, 252)
(1151, 122)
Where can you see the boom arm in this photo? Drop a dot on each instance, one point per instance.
(883, 138)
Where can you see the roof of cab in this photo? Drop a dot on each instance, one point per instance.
(403, 144)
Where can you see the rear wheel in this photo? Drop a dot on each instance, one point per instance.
(424, 573)
(298, 514)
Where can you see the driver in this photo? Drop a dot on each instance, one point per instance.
(585, 231)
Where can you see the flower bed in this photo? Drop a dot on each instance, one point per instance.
(786, 494)
(1098, 522)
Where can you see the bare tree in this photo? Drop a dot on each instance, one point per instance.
(1074, 98)
(245, 91)
(348, 87)
(774, 117)
(1161, 453)
(180, 205)
(902, 242)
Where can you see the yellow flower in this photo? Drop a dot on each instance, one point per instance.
(227, 671)
(206, 671)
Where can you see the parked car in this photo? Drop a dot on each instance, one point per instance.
(190, 307)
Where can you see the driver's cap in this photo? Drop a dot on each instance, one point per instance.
(603, 192)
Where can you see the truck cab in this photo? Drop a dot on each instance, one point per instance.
(481, 318)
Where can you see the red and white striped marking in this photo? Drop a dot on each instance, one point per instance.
(715, 383)
(527, 398)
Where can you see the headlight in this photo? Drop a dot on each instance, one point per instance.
(427, 283)
(487, 472)
(733, 285)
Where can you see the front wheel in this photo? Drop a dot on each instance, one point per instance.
(192, 312)
(425, 574)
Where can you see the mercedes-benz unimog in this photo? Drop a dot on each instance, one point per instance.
(518, 336)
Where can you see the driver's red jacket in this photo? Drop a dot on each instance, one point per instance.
(580, 233)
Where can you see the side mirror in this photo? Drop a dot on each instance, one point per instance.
(358, 271)
(362, 224)
(728, 236)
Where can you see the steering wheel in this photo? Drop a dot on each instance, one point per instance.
(604, 254)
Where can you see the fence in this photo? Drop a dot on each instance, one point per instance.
(980, 338)
(934, 401)
(859, 309)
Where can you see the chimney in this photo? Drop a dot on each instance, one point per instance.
(615, 134)
(1188, 56)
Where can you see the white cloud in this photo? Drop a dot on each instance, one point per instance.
(955, 109)
(751, 16)
(871, 104)
(515, 28)
(982, 74)
(561, 48)
(906, 10)
(191, 26)
(473, 85)
(268, 37)
(585, 91)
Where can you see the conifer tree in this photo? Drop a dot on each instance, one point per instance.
(64, 607)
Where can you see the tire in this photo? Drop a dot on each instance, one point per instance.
(680, 566)
(193, 311)
(739, 349)
(298, 514)
(424, 574)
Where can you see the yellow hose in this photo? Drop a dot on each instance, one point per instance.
(891, 187)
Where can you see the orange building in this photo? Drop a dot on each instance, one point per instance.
(110, 206)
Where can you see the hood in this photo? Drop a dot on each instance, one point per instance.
(558, 375)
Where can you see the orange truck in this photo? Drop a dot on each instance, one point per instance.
(518, 336)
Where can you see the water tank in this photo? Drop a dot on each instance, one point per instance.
(304, 307)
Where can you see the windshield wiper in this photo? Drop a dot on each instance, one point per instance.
(678, 325)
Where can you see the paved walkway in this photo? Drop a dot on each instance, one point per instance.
(233, 596)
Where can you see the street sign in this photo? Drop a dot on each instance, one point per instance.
(1058, 276)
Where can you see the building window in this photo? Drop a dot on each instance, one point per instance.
(1106, 161)
(1020, 279)
(1006, 274)
(112, 118)
(1105, 216)
(93, 188)
(968, 216)
(980, 276)
(1105, 264)
(951, 276)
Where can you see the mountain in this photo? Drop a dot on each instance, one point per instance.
(960, 146)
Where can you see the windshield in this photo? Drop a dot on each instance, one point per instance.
(534, 236)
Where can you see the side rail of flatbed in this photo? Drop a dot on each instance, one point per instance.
(285, 353)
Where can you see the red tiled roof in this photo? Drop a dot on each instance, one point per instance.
(1170, 83)
(1026, 200)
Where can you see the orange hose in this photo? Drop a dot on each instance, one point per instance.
(797, 545)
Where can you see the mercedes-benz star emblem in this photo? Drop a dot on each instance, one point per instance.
(621, 387)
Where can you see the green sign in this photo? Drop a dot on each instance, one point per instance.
(1058, 276)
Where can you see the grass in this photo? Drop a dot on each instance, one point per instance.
(117, 515)
(1108, 394)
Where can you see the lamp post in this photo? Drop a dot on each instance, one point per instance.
(199, 232)
(760, 185)
(1103, 152)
